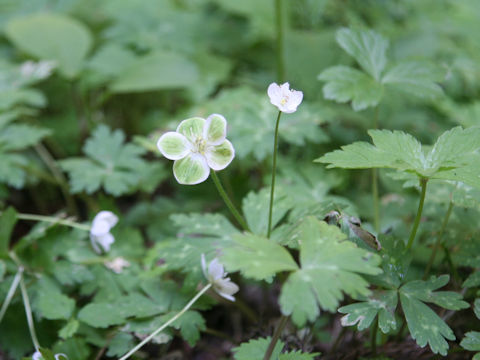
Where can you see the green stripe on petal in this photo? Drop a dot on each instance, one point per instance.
(192, 128)
(218, 157)
(173, 146)
(192, 169)
(215, 129)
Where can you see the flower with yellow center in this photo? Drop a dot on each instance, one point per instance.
(283, 98)
(197, 146)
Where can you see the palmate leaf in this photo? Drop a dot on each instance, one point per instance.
(450, 158)
(110, 163)
(255, 349)
(329, 266)
(257, 257)
(380, 303)
(424, 324)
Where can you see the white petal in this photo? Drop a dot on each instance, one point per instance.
(107, 216)
(215, 129)
(226, 288)
(220, 156)
(191, 170)
(105, 241)
(173, 146)
(37, 355)
(204, 266)
(215, 270)
(285, 87)
(274, 93)
(99, 228)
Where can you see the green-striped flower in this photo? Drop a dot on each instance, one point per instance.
(197, 146)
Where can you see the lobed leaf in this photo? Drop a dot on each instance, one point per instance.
(255, 349)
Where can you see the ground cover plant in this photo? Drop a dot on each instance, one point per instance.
(245, 180)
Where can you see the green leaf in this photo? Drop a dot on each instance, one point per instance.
(215, 225)
(476, 308)
(471, 341)
(76, 348)
(51, 36)
(424, 291)
(401, 151)
(298, 355)
(110, 163)
(191, 323)
(3, 269)
(69, 329)
(380, 303)
(17, 137)
(8, 219)
(367, 47)
(156, 71)
(50, 302)
(257, 257)
(330, 266)
(344, 84)
(424, 325)
(415, 78)
(255, 349)
(120, 344)
(111, 59)
(255, 207)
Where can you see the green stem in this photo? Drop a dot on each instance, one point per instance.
(374, 337)
(28, 313)
(11, 292)
(423, 183)
(439, 240)
(280, 41)
(453, 269)
(275, 337)
(228, 202)
(274, 171)
(376, 201)
(54, 220)
(152, 335)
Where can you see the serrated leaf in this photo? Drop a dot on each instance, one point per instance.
(471, 341)
(344, 84)
(120, 344)
(330, 266)
(8, 219)
(401, 151)
(111, 163)
(215, 225)
(298, 355)
(257, 257)
(50, 36)
(162, 70)
(380, 303)
(415, 78)
(367, 47)
(424, 291)
(255, 207)
(50, 302)
(255, 349)
(76, 348)
(191, 323)
(21, 136)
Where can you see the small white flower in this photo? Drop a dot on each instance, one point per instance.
(197, 146)
(100, 236)
(283, 98)
(216, 276)
(37, 71)
(117, 264)
(38, 356)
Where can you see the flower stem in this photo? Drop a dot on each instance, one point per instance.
(274, 170)
(376, 202)
(280, 42)
(54, 220)
(374, 337)
(439, 240)
(275, 337)
(11, 292)
(228, 202)
(152, 335)
(423, 183)
(28, 313)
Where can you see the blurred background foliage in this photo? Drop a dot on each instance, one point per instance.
(128, 70)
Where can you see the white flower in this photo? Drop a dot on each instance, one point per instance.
(117, 264)
(197, 146)
(100, 236)
(38, 356)
(216, 276)
(283, 98)
(40, 70)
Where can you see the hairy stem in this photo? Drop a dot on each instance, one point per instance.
(228, 202)
(54, 220)
(279, 27)
(423, 183)
(28, 313)
(152, 335)
(275, 337)
(439, 240)
(11, 292)
(274, 171)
